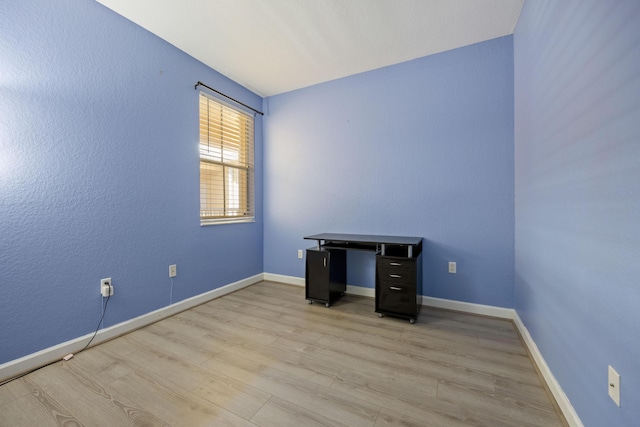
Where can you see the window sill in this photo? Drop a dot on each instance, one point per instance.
(207, 222)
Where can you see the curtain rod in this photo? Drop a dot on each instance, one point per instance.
(228, 97)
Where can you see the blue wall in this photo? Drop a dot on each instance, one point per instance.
(423, 148)
(99, 175)
(577, 169)
(99, 178)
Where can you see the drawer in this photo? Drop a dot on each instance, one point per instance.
(396, 298)
(396, 269)
(396, 285)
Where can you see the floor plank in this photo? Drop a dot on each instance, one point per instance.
(263, 356)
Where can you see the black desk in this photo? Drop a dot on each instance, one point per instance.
(398, 286)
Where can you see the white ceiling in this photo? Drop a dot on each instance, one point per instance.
(275, 46)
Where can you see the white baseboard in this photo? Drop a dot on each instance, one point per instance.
(561, 398)
(469, 307)
(281, 278)
(361, 291)
(57, 352)
(299, 281)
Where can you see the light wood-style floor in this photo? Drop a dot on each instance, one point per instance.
(262, 356)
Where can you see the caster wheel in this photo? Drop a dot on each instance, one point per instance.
(380, 315)
(412, 321)
(326, 304)
(310, 302)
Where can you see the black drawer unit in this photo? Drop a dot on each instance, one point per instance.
(326, 275)
(399, 283)
(398, 270)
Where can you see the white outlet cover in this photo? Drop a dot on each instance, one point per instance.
(452, 267)
(106, 287)
(614, 385)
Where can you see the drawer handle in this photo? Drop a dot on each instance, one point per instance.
(395, 264)
(395, 288)
(324, 261)
(395, 276)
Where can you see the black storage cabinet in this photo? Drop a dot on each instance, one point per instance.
(399, 283)
(326, 275)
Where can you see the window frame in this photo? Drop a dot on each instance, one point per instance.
(224, 158)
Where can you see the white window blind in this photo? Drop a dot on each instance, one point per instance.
(226, 163)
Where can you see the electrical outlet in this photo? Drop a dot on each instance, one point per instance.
(452, 267)
(614, 385)
(300, 253)
(172, 270)
(106, 287)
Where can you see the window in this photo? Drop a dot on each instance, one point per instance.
(226, 163)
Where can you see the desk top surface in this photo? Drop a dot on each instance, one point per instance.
(366, 238)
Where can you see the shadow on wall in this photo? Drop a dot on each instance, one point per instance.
(361, 269)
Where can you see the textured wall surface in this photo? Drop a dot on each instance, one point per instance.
(99, 175)
(577, 122)
(423, 148)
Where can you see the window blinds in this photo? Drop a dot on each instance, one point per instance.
(226, 163)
